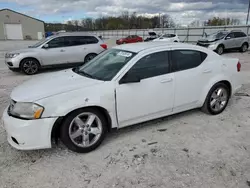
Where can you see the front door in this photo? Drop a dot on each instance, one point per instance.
(150, 98)
(57, 52)
(229, 41)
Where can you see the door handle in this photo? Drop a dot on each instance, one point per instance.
(62, 50)
(167, 80)
(207, 71)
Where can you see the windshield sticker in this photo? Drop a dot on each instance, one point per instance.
(125, 54)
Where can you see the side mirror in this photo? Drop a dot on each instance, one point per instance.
(228, 38)
(45, 46)
(129, 78)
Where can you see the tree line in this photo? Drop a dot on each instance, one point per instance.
(132, 21)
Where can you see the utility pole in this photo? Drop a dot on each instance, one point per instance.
(160, 19)
(248, 12)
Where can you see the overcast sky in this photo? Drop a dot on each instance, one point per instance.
(182, 11)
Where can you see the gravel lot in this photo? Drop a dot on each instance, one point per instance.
(190, 149)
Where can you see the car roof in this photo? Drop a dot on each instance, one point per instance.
(74, 34)
(137, 47)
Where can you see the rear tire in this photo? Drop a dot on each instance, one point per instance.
(30, 66)
(220, 49)
(217, 99)
(244, 47)
(89, 57)
(83, 130)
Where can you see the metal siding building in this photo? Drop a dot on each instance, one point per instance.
(17, 26)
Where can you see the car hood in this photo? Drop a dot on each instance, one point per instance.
(164, 39)
(207, 40)
(51, 84)
(25, 50)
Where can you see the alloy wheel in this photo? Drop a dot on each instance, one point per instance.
(85, 129)
(30, 67)
(220, 50)
(89, 57)
(218, 99)
(244, 48)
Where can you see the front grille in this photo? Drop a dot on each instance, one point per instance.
(202, 44)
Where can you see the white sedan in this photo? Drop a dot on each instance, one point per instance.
(168, 38)
(125, 85)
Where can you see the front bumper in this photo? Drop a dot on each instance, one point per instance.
(12, 62)
(28, 134)
(119, 42)
(209, 46)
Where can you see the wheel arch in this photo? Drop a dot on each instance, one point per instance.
(221, 44)
(246, 44)
(29, 58)
(209, 87)
(89, 54)
(58, 122)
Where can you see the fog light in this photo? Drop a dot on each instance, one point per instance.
(14, 140)
(10, 64)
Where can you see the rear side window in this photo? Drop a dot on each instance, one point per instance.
(151, 65)
(187, 59)
(91, 39)
(81, 40)
(239, 34)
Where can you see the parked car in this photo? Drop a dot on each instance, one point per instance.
(168, 38)
(129, 39)
(125, 85)
(64, 49)
(152, 36)
(225, 40)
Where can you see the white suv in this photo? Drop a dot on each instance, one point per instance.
(60, 50)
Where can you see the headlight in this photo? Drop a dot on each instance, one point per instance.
(26, 110)
(11, 55)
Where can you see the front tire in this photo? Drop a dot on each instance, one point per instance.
(83, 130)
(220, 50)
(217, 99)
(30, 66)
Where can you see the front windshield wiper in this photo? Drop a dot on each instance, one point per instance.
(76, 70)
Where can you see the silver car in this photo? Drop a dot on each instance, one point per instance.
(64, 49)
(225, 40)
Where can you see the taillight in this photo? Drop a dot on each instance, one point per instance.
(104, 46)
(238, 66)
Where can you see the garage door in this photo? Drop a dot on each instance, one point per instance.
(14, 31)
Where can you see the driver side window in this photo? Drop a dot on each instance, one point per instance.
(151, 65)
(231, 35)
(57, 42)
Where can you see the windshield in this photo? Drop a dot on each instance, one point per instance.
(106, 65)
(41, 42)
(217, 35)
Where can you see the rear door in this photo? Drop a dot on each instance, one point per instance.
(239, 39)
(191, 75)
(229, 41)
(80, 46)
